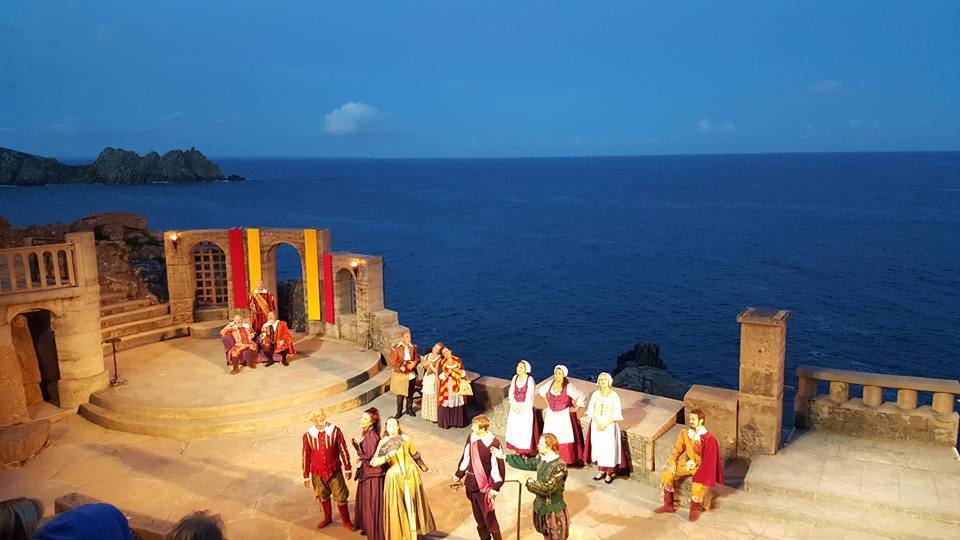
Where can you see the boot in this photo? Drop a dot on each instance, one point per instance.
(667, 503)
(235, 363)
(399, 407)
(496, 535)
(694, 510)
(327, 518)
(410, 406)
(484, 534)
(345, 517)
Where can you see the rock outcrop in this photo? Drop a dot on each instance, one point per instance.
(112, 166)
(642, 369)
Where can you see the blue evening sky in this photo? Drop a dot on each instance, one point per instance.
(393, 78)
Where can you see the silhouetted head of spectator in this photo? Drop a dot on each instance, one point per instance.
(99, 521)
(198, 526)
(19, 518)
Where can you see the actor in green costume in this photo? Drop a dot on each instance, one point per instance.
(549, 510)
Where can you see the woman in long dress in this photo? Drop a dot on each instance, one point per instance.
(406, 513)
(369, 506)
(431, 363)
(452, 410)
(604, 444)
(522, 430)
(560, 416)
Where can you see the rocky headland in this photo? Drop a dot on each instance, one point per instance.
(112, 166)
(642, 369)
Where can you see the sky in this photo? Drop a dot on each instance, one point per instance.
(449, 78)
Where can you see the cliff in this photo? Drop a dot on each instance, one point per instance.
(112, 166)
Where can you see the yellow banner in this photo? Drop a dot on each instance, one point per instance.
(253, 257)
(313, 274)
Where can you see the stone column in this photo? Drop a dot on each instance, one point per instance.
(180, 277)
(763, 340)
(13, 402)
(77, 330)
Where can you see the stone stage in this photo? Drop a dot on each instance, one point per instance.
(182, 388)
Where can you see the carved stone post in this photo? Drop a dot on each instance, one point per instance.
(763, 339)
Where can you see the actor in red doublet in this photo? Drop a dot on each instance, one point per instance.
(325, 460)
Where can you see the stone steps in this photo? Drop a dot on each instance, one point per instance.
(816, 514)
(133, 314)
(238, 423)
(110, 298)
(106, 400)
(149, 336)
(129, 305)
(137, 327)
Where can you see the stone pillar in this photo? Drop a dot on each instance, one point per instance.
(370, 285)
(27, 359)
(180, 278)
(77, 330)
(763, 340)
(13, 402)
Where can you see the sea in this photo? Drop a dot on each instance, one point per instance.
(574, 260)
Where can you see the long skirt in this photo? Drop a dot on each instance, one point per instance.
(606, 449)
(572, 453)
(428, 405)
(524, 429)
(553, 525)
(406, 512)
(369, 509)
(452, 417)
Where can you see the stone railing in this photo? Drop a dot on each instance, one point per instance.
(869, 415)
(36, 268)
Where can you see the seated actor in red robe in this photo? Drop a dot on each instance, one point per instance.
(696, 454)
(325, 458)
(261, 302)
(276, 341)
(238, 344)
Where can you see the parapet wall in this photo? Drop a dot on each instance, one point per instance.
(869, 415)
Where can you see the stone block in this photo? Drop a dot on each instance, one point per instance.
(759, 424)
(21, 442)
(489, 392)
(762, 345)
(73, 392)
(719, 406)
(764, 381)
(13, 401)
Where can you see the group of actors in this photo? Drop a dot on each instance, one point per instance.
(391, 502)
(266, 339)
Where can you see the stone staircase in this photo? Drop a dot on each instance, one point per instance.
(364, 385)
(136, 321)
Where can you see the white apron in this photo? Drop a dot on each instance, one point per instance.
(520, 424)
(605, 445)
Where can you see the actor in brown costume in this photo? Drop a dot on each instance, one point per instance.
(482, 465)
(404, 358)
(369, 506)
(702, 454)
(325, 458)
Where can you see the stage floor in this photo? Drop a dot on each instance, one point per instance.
(192, 373)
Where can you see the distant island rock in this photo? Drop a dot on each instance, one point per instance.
(112, 166)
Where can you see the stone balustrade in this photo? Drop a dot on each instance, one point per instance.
(871, 416)
(35, 268)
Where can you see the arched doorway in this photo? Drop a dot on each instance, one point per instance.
(36, 351)
(210, 273)
(345, 298)
(291, 298)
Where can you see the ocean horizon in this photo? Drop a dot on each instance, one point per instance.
(573, 260)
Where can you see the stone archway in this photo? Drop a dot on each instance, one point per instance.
(345, 293)
(35, 344)
(284, 275)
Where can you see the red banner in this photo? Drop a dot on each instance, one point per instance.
(328, 288)
(238, 268)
